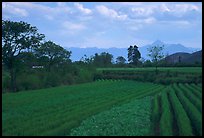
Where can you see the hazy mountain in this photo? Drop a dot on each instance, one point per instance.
(168, 48)
(78, 53)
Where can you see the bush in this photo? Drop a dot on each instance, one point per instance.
(28, 81)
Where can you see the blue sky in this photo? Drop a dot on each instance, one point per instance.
(111, 24)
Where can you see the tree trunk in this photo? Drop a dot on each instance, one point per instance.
(156, 69)
(13, 80)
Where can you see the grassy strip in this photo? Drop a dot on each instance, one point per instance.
(166, 121)
(174, 123)
(156, 115)
(182, 119)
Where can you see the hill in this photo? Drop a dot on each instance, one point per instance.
(182, 57)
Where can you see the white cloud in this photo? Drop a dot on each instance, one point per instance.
(178, 10)
(23, 8)
(10, 9)
(153, 9)
(142, 11)
(164, 8)
(82, 9)
(110, 13)
(73, 26)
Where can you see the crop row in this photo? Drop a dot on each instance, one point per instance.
(193, 113)
(178, 111)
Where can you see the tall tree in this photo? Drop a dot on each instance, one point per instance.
(17, 37)
(136, 55)
(53, 54)
(156, 54)
(133, 55)
(130, 54)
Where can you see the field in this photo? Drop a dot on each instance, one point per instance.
(165, 75)
(170, 69)
(106, 107)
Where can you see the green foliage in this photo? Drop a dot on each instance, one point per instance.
(17, 37)
(28, 81)
(102, 60)
(120, 60)
(131, 119)
(54, 53)
(183, 122)
(133, 55)
(5, 81)
(155, 53)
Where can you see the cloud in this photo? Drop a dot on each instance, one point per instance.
(178, 9)
(178, 23)
(10, 9)
(25, 8)
(103, 10)
(137, 24)
(154, 9)
(141, 11)
(73, 26)
(82, 9)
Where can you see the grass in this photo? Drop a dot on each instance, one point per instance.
(55, 111)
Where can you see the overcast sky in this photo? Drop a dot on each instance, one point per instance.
(110, 24)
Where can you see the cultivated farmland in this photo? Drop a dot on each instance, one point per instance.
(86, 109)
(179, 111)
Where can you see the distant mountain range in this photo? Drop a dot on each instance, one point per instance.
(78, 53)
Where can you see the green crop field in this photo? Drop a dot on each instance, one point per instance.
(171, 69)
(164, 75)
(106, 107)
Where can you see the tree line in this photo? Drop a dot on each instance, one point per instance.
(31, 62)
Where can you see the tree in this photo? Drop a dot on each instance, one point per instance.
(17, 37)
(102, 60)
(53, 54)
(133, 55)
(155, 53)
(130, 55)
(120, 60)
